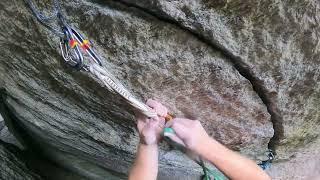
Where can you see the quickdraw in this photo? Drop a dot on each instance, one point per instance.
(71, 52)
(72, 43)
(85, 45)
(71, 46)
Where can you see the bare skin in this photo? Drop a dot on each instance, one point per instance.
(145, 166)
(232, 164)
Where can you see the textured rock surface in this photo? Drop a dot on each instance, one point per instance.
(274, 43)
(2, 124)
(303, 165)
(70, 112)
(200, 57)
(6, 136)
(12, 166)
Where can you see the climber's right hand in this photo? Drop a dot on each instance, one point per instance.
(230, 163)
(190, 132)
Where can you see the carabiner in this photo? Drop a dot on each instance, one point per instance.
(71, 55)
(88, 49)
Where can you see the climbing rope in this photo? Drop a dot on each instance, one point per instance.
(209, 173)
(47, 21)
(72, 47)
(267, 163)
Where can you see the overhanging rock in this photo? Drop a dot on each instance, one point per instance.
(81, 123)
(274, 44)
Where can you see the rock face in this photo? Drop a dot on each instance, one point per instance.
(273, 44)
(12, 166)
(305, 165)
(6, 136)
(237, 67)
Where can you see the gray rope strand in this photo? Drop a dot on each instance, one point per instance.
(115, 86)
(44, 20)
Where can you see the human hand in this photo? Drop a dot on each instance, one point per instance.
(150, 129)
(188, 132)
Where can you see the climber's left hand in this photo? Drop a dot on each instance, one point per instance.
(150, 129)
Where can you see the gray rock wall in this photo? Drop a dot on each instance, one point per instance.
(12, 165)
(248, 71)
(6, 136)
(274, 44)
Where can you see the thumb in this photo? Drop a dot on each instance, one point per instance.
(140, 125)
(173, 137)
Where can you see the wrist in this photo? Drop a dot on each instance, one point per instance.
(148, 151)
(148, 141)
(148, 146)
(205, 145)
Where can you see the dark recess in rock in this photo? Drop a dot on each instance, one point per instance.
(12, 164)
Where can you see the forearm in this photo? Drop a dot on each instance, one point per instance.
(231, 163)
(145, 166)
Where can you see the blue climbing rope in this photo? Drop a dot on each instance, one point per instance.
(267, 163)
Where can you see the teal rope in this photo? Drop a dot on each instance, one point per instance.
(209, 173)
